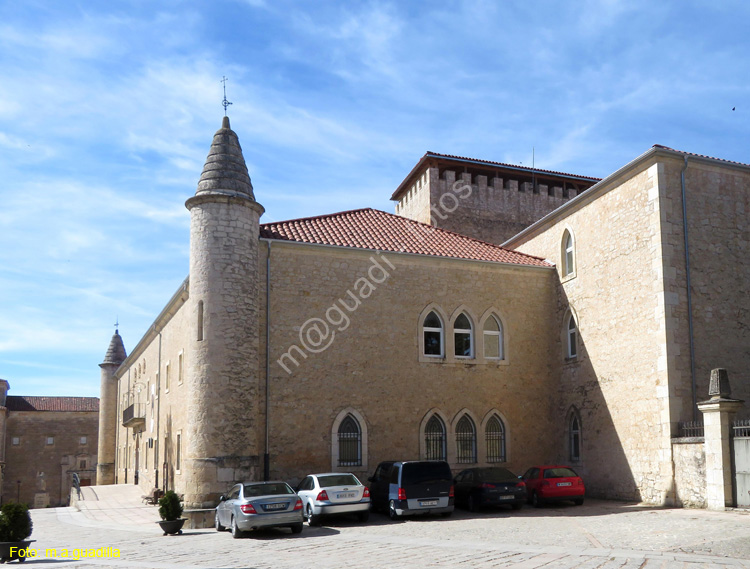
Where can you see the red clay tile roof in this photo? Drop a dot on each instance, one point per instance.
(35, 403)
(380, 231)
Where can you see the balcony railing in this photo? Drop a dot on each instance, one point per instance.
(134, 416)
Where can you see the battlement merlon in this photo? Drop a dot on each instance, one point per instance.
(511, 197)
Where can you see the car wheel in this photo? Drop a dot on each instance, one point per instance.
(217, 523)
(236, 532)
(363, 516)
(578, 501)
(312, 519)
(392, 513)
(296, 528)
(472, 504)
(536, 501)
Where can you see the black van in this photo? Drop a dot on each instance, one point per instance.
(412, 488)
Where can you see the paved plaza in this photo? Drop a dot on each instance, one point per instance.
(600, 534)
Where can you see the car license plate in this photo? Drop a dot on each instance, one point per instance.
(281, 506)
(563, 483)
(346, 495)
(425, 503)
(506, 497)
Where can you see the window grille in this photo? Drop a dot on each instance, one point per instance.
(350, 442)
(575, 439)
(434, 434)
(495, 438)
(466, 441)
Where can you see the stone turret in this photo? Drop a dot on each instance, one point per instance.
(105, 468)
(223, 370)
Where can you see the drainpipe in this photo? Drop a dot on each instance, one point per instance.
(158, 417)
(266, 455)
(689, 291)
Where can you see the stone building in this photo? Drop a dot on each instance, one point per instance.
(337, 341)
(46, 440)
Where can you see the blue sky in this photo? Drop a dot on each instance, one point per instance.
(107, 110)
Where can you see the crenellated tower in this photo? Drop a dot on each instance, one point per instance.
(223, 369)
(105, 467)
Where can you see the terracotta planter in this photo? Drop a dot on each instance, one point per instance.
(172, 527)
(5, 547)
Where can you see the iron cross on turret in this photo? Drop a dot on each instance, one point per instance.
(225, 103)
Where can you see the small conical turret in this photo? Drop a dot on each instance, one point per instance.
(116, 352)
(225, 171)
(105, 468)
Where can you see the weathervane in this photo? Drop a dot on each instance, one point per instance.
(117, 324)
(225, 102)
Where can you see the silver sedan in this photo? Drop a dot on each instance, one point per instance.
(253, 505)
(333, 493)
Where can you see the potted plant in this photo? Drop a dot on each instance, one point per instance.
(15, 527)
(170, 511)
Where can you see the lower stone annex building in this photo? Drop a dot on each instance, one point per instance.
(503, 316)
(44, 443)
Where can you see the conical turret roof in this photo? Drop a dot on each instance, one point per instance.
(116, 351)
(225, 171)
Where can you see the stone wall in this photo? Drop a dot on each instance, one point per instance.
(143, 381)
(689, 457)
(489, 208)
(373, 364)
(718, 202)
(618, 382)
(45, 470)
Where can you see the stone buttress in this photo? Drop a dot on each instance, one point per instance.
(222, 370)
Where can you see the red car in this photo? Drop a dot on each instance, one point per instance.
(553, 484)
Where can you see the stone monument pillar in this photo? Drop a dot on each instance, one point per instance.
(718, 412)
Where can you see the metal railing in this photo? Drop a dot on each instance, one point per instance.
(741, 428)
(690, 428)
(134, 414)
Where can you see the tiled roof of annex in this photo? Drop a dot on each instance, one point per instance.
(381, 231)
(40, 403)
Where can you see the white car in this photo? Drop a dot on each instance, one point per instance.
(333, 493)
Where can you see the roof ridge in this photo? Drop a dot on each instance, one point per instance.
(685, 152)
(321, 216)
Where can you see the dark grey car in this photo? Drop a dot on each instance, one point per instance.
(253, 505)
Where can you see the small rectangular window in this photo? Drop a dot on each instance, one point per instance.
(180, 371)
(82, 465)
(83, 440)
(50, 440)
(166, 376)
(178, 459)
(15, 441)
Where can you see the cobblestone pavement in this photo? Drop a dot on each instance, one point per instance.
(599, 534)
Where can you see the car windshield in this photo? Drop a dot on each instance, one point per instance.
(418, 472)
(494, 474)
(338, 480)
(267, 489)
(559, 473)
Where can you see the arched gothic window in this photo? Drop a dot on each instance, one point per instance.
(350, 442)
(463, 336)
(466, 440)
(432, 330)
(574, 438)
(494, 435)
(493, 339)
(434, 434)
(572, 338)
(568, 254)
